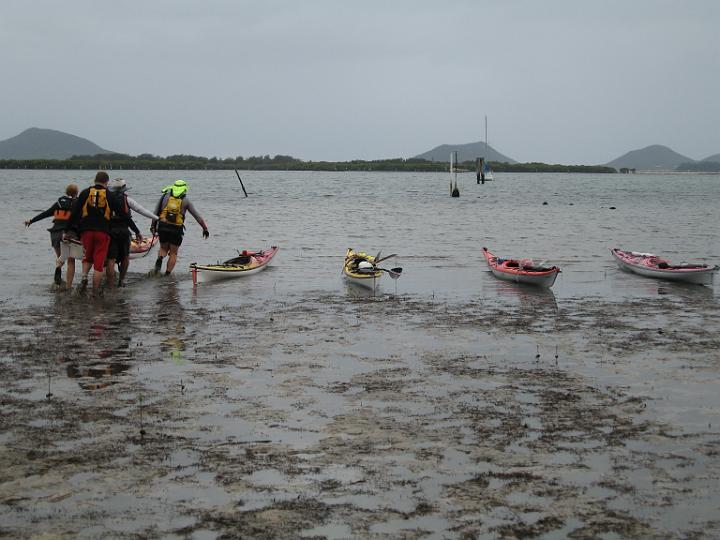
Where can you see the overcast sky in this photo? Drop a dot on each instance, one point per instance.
(564, 81)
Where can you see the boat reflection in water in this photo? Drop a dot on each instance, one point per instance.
(353, 290)
(687, 291)
(538, 298)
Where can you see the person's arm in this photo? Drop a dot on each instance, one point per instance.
(190, 208)
(42, 215)
(158, 209)
(133, 226)
(134, 205)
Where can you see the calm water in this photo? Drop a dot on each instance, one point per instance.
(284, 362)
(314, 217)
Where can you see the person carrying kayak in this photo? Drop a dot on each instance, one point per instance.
(91, 215)
(119, 249)
(170, 226)
(60, 212)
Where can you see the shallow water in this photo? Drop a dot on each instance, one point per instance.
(314, 217)
(290, 404)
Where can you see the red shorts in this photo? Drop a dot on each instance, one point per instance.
(96, 245)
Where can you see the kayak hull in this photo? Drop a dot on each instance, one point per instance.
(351, 274)
(242, 266)
(520, 274)
(646, 264)
(138, 251)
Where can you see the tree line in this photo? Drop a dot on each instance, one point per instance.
(276, 163)
(699, 166)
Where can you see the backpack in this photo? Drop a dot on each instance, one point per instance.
(96, 204)
(172, 212)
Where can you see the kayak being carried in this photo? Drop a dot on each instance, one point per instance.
(521, 270)
(245, 264)
(650, 265)
(144, 247)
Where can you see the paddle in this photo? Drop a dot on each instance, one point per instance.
(394, 273)
(241, 183)
(384, 258)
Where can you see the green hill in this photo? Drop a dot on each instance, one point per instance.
(466, 152)
(655, 157)
(37, 143)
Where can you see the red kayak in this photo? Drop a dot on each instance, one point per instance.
(521, 270)
(142, 249)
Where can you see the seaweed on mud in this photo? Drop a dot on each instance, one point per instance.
(488, 443)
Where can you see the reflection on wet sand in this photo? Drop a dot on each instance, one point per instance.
(537, 297)
(402, 416)
(98, 348)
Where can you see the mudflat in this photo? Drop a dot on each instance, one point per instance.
(346, 415)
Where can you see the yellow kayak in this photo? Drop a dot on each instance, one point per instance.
(360, 268)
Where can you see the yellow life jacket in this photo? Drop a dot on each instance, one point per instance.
(97, 203)
(172, 212)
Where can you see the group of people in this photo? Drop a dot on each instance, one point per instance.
(95, 225)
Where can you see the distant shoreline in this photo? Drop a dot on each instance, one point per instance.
(280, 163)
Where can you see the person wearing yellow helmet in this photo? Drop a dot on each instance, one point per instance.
(170, 226)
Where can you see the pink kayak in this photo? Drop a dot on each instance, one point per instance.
(245, 264)
(650, 265)
(521, 271)
(142, 249)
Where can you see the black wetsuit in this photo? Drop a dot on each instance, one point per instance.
(63, 205)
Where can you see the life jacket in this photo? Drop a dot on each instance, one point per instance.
(97, 203)
(62, 213)
(172, 212)
(125, 207)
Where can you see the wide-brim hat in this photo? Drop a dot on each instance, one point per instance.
(118, 184)
(179, 188)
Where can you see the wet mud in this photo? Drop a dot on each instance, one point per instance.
(161, 414)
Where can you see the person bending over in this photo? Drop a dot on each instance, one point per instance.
(171, 209)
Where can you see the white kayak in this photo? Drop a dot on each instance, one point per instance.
(245, 264)
(649, 265)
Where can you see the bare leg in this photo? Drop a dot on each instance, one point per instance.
(164, 248)
(172, 259)
(58, 266)
(97, 279)
(85, 270)
(124, 265)
(58, 261)
(110, 272)
(70, 272)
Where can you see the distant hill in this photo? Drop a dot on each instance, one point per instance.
(714, 157)
(655, 157)
(37, 143)
(466, 152)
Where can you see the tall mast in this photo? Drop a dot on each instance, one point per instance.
(486, 145)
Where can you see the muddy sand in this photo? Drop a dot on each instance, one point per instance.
(341, 415)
